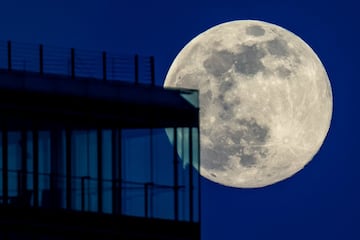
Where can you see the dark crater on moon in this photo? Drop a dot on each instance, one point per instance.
(251, 132)
(277, 47)
(226, 111)
(255, 31)
(245, 144)
(227, 108)
(226, 85)
(283, 72)
(254, 135)
(219, 62)
(247, 61)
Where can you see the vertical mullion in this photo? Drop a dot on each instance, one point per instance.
(151, 170)
(198, 176)
(99, 164)
(36, 167)
(176, 183)
(119, 168)
(23, 175)
(68, 167)
(191, 187)
(5, 164)
(113, 171)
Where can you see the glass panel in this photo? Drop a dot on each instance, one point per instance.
(14, 164)
(191, 97)
(163, 195)
(84, 170)
(107, 171)
(136, 165)
(183, 172)
(147, 156)
(62, 183)
(44, 168)
(29, 167)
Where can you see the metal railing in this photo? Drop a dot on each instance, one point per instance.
(76, 63)
(83, 189)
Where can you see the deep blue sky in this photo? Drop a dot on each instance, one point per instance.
(320, 202)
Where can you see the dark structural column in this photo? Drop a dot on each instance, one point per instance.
(55, 136)
(116, 170)
(36, 167)
(198, 177)
(191, 187)
(5, 164)
(119, 170)
(113, 171)
(151, 153)
(176, 183)
(68, 167)
(99, 173)
(23, 174)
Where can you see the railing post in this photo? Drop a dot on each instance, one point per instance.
(136, 67)
(9, 56)
(104, 65)
(72, 63)
(152, 70)
(41, 57)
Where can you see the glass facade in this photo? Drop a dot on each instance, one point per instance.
(138, 172)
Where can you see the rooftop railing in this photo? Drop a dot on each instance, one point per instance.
(76, 63)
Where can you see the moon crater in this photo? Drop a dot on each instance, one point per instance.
(255, 30)
(248, 61)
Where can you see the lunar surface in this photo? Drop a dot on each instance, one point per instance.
(265, 101)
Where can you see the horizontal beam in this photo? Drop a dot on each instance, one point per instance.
(43, 102)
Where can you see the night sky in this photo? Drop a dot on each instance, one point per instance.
(320, 202)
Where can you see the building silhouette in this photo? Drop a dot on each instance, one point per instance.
(90, 147)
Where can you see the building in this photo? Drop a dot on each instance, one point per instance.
(85, 155)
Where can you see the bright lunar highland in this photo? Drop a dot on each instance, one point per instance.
(265, 101)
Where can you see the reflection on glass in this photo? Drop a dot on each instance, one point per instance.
(191, 96)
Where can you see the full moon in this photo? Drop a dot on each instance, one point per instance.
(265, 101)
